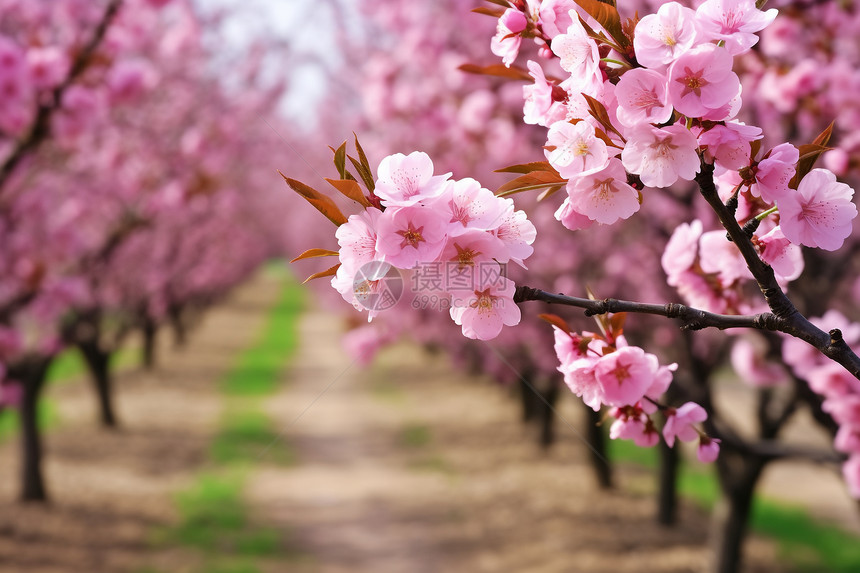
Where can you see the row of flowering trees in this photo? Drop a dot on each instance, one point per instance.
(641, 116)
(135, 185)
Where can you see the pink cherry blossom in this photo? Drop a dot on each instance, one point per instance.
(625, 375)
(661, 156)
(642, 98)
(571, 218)
(555, 16)
(516, 232)
(851, 473)
(773, 173)
(729, 145)
(540, 107)
(482, 313)
(48, 65)
(662, 37)
(10, 393)
(749, 359)
(734, 22)
(785, 257)
(844, 409)
(701, 82)
(410, 235)
(405, 180)
(580, 377)
(472, 258)
(679, 423)
(708, 450)
(820, 213)
(681, 251)
(577, 151)
(357, 238)
(467, 205)
(604, 196)
(567, 345)
(636, 427)
(847, 439)
(506, 42)
(721, 257)
(577, 52)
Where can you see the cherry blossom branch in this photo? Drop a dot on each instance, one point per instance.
(41, 125)
(698, 319)
(787, 318)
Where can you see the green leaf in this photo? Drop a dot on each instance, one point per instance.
(312, 253)
(320, 202)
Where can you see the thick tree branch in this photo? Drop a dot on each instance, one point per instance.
(42, 124)
(691, 318)
(789, 320)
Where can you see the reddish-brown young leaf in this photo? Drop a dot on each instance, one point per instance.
(528, 168)
(487, 11)
(363, 174)
(809, 154)
(502, 3)
(755, 147)
(531, 181)
(499, 70)
(616, 323)
(326, 273)
(340, 161)
(362, 157)
(550, 192)
(312, 253)
(557, 321)
(598, 112)
(605, 12)
(350, 189)
(321, 202)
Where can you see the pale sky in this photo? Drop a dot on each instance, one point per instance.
(306, 27)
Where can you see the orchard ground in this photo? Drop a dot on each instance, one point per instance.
(223, 466)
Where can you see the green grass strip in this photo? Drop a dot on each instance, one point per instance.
(214, 517)
(804, 543)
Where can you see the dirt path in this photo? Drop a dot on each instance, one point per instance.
(110, 490)
(409, 466)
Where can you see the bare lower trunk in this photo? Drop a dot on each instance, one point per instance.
(148, 351)
(547, 415)
(32, 377)
(98, 363)
(732, 512)
(599, 455)
(667, 494)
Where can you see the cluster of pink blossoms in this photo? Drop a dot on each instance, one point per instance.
(454, 229)
(604, 370)
(670, 101)
(645, 106)
(840, 390)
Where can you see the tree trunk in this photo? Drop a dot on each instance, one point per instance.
(98, 363)
(599, 454)
(180, 333)
(667, 494)
(732, 512)
(32, 377)
(148, 352)
(528, 399)
(547, 415)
